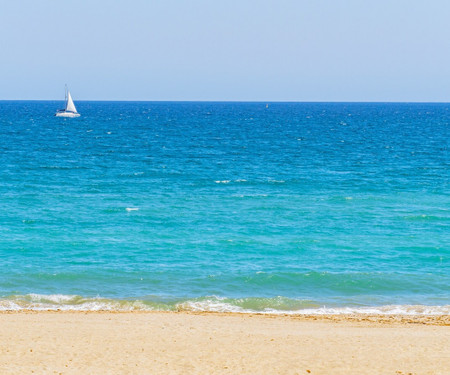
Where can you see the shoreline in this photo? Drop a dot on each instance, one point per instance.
(278, 305)
(434, 320)
(67, 342)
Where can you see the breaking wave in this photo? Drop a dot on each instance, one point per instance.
(276, 305)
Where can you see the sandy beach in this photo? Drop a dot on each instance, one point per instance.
(210, 343)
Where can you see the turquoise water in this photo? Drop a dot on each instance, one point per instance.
(298, 207)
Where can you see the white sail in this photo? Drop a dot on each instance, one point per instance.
(70, 106)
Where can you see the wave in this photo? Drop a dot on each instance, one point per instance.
(251, 182)
(39, 302)
(277, 305)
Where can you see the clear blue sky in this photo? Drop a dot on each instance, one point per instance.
(303, 50)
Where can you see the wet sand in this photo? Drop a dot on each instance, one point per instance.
(216, 343)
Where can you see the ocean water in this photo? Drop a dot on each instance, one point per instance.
(291, 208)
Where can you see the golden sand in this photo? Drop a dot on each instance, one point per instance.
(209, 343)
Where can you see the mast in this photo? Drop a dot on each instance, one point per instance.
(65, 95)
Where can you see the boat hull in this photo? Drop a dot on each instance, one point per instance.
(67, 114)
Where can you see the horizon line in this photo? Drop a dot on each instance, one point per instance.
(230, 101)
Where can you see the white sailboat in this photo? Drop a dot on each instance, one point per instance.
(70, 110)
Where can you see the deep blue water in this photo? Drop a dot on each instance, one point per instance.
(225, 206)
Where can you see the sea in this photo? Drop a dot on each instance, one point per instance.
(281, 208)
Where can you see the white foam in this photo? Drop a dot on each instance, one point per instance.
(132, 209)
(39, 302)
(249, 195)
(375, 310)
(222, 182)
(217, 305)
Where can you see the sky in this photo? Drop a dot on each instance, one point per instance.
(247, 50)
